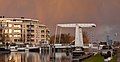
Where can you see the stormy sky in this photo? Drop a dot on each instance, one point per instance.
(105, 13)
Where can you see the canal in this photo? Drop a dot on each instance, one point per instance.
(34, 57)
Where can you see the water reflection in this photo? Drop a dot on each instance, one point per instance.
(33, 57)
(61, 57)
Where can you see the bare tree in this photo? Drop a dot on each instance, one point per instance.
(65, 38)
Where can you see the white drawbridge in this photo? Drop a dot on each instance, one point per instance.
(78, 31)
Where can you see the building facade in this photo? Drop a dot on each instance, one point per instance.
(24, 30)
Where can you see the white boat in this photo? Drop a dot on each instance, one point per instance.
(32, 48)
(21, 48)
(13, 48)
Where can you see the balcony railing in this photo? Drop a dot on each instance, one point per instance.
(30, 26)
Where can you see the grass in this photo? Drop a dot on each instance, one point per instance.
(99, 58)
(96, 58)
(114, 59)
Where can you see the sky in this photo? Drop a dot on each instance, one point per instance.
(104, 13)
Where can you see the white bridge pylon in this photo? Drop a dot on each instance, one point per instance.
(78, 31)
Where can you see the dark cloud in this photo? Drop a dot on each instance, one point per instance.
(105, 13)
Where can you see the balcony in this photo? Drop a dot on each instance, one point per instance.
(17, 26)
(17, 36)
(42, 31)
(42, 36)
(30, 36)
(17, 40)
(30, 40)
(17, 31)
(30, 26)
(29, 30)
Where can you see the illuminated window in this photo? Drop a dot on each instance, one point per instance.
(17, 35)
(10, 25)
(19, 26)
(10, 30)
(17, 31)
(8, 21)
(6, 31)
(10, 35)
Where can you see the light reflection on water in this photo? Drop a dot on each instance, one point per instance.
(33, 57)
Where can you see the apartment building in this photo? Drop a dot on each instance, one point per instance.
(44, 35)
(24, 30)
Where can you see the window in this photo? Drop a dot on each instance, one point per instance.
(42, 36)
(30, 26)
(30, 30)
(10, 35)
(30, 35)
(15, 20)
(16, 40)
(17, 35)
(47, 31)
(5, 25)
(42, 31)
(6, 31)
(19, 26)
(32, 39)
(10, 25)
(8, 21)
(10, 30)
(17, 31)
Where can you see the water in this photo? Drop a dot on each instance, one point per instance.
(33, 57)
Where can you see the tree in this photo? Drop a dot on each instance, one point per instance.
(65, 38)
(85, 38)
(4, 37)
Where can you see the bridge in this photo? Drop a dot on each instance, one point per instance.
(78, 31)
(70, 46)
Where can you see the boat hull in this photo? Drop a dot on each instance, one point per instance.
(21, 49)
(34, 49)
(4, 51)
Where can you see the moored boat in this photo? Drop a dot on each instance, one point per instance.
(32, 48)
(21, 48)
(13, 48)
(4, 51)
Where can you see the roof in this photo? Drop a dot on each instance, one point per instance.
(18, 19)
